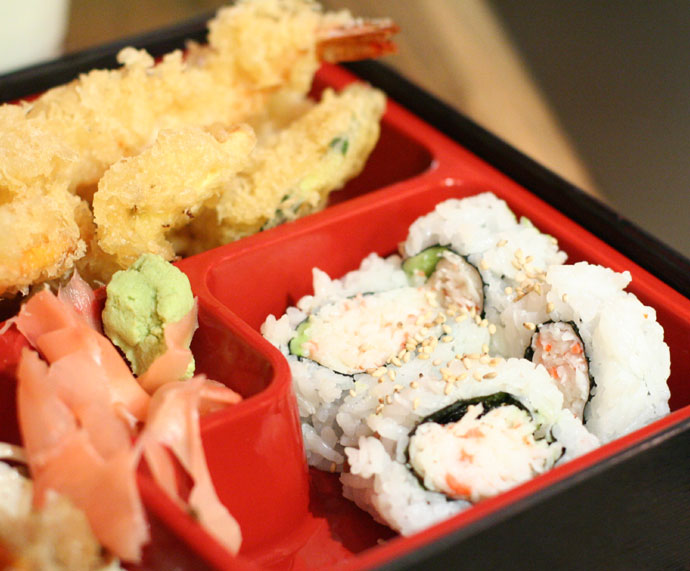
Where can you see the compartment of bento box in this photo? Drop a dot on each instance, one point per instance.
(246, 445)
(274, 269)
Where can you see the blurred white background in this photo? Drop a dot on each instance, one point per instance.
(31, 31)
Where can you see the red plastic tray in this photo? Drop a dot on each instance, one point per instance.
(296, 518)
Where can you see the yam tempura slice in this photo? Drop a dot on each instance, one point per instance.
(79, 446)
(173, 425)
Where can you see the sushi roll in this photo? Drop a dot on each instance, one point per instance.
(355, 333)
(506, 251)
(476, 448)
(494, 430)
(628, 360)
(474, 360)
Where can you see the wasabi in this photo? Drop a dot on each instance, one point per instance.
(140, 302)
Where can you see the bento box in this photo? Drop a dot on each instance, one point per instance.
(623, 505)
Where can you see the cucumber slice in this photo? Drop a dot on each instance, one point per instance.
(296, 344)
(424, 262)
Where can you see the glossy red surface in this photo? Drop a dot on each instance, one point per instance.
(291, 517)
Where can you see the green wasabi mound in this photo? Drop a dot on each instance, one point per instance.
(140, 302)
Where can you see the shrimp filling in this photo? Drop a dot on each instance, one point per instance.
(480, 455)
(361, 333)
(558, 347)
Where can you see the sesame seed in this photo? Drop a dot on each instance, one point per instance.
(491, 375)
(380, 380)
(529, 259)
(564, 297)
(492, 329)
(423, 356)
(461, 318)
(484, 265)
(446, 328)
(379, 409)
(436, 362)
(389, 399)
(447, 338)
(397, 362)
(397, 388)
(508, 290)
(484, 323)
(477, 319)
(370, 371)
(415, 404)
(380, 400)
(516, 264)
(353, 393)
(529, 325)
(406, 358)
(463, 376)
(473, 356)
(379, 372)
(448, 389)
(519, 255)
(466, 362)
(424, 331)
(537, 288)
(392, 375)
(550, 307)
(485, 348)
(414, 384)
(495, 361)
(477, 376)
(484, 359)
(501, 243)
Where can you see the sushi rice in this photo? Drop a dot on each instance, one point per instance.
(414, 374)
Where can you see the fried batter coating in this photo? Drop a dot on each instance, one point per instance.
(260, 54)
(39, 238)
(141, 199)
(255, 48)
(292, 172)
